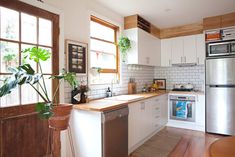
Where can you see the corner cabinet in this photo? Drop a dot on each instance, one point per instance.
(146, 117)
(145, 48)
(183, 50)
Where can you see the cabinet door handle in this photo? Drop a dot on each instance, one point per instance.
(147, 60)
(142, 106)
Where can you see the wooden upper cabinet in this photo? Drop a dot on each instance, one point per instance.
(228, 20)
(136, 21)
(212, 22)
(221, 21)
(130, 22)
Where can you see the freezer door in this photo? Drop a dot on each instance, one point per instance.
(220, 110)
(220, 71)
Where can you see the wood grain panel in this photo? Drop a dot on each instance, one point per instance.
(24, 136)
(155, 31)
(130, 22)
(212, 22)
(228, 20)
(184, 30)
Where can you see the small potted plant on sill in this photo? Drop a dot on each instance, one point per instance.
(124, 45)
(57, 114)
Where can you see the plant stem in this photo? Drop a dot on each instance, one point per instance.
(44, 91)
(38, 92)
(57, 88)
(43, 80)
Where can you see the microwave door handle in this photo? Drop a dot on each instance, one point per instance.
(221, 43)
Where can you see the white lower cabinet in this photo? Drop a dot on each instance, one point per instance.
(145, 118)
(200, 112)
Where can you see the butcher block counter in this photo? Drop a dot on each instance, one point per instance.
(115, 102)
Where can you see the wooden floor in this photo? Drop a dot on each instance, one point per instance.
(192, 143)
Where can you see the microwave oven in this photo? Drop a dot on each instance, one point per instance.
(221, 48)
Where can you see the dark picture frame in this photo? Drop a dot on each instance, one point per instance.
(76, 56)
(161, 83)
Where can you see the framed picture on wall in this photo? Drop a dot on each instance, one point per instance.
(161, 83)
(76, 57)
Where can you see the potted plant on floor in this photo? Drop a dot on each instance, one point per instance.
(57, 114)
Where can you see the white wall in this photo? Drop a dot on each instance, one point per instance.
(76, 27)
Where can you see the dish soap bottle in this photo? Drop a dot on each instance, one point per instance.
(108, 92)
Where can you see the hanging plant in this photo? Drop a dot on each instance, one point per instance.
(124, 45)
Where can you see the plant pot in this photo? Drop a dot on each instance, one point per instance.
(60, 120)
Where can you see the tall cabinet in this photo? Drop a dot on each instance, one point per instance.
(145, 48)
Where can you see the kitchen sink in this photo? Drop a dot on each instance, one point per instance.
(125, 98)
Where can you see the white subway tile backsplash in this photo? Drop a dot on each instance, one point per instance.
(145, 75)
(173, 75)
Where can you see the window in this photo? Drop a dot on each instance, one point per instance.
(20, 29)
(103, 49)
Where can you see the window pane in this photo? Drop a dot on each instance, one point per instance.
(27, 60)
(48, 83)
(45, 32)
(103, 46)
(28, 28)
(103, 78)
(104, 61)
(100, 31)
(29, 95)
(47, 65)
(9, 55)
(11, 99)
(9, 24)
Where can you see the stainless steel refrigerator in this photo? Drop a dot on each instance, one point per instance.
(220, 96)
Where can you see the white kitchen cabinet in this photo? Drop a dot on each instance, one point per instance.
(200, 112)
(201, 50)
(166, 52)
(190, 49)
(145, 48)
(177, 50)
(185, 49)
(145, 118)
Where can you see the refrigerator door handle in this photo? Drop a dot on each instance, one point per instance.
(222, 86)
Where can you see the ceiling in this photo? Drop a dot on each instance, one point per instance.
(170, 13)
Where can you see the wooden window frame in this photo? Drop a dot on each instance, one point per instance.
(39, 13)
(116, 29)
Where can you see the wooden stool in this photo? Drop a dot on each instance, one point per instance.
(224, 147)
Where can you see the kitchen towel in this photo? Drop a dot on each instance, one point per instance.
(181, 109)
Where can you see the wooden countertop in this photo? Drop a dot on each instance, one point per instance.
(102, 105)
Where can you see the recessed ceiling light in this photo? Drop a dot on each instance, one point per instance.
(167, 10)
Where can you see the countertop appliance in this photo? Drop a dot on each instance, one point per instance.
(220, 95)
(182, 107)
(115, 133)
(183, 87)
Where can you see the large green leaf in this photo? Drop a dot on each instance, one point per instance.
(21, 75)
(37, 54)
(44, 110)
(69, 77)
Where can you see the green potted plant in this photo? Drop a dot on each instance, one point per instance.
(124, 45)
(58, 114)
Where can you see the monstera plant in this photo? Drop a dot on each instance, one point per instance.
(25, 74)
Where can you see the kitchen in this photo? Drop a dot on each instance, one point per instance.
(176, 52)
